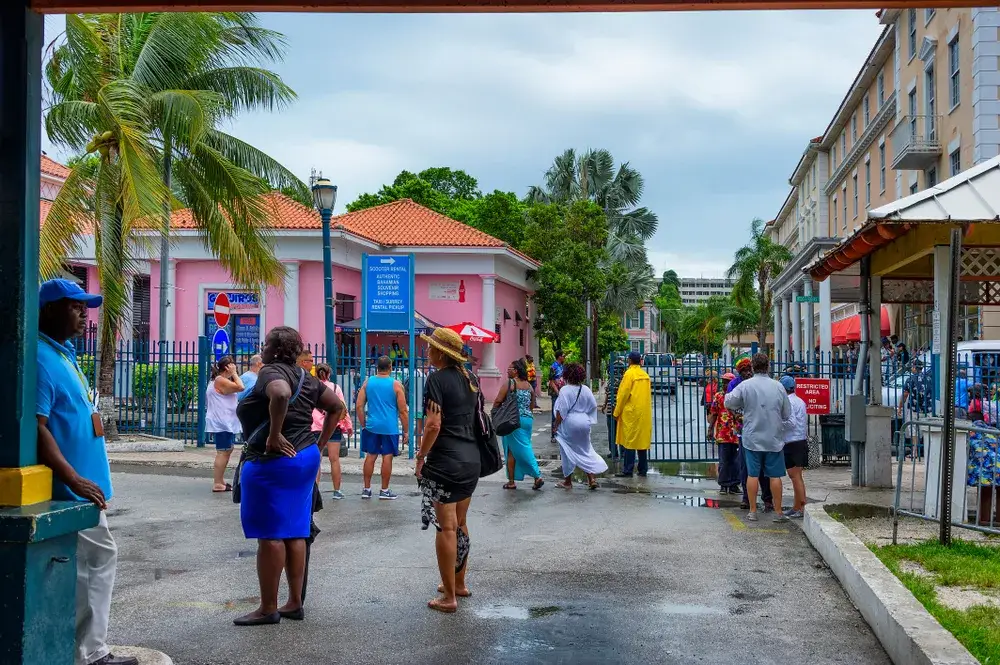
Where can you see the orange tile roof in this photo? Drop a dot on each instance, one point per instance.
(43, 210)
(402, 223)
(54, 168)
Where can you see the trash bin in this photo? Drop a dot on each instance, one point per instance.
(835, 446)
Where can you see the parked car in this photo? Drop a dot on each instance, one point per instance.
(661, 370)
(692, 367)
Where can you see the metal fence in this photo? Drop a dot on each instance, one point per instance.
(969, 490)
(188, 368)
(682, 391)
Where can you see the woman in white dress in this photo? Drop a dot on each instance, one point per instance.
(576, 413)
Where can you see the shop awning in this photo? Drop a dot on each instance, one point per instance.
(421, 324)
(849, 329)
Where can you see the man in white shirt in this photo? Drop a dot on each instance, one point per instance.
(796, 447)
(765, 407)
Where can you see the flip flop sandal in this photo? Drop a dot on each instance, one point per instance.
(594, 486)
(229, 488)
(539, 483)
(510, 486)
(564, 486)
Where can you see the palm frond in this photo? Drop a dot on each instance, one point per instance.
(251, 159)
(245, 88)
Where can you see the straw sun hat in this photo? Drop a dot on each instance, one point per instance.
(447, 341)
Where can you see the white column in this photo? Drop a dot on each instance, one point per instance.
(291, 295)
(783, 344)
(169, 291)
(825, 320)
(942, 261)
(777, 328)
(796, 324)
(875, 335)
(809, 320)
(488, 366)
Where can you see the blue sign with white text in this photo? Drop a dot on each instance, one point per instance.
(220, 344)
(388, 293)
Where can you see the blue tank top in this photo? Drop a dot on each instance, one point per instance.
(383, 416)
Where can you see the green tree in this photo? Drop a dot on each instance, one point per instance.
(569, 240)
(706, 323)
(668, 301)
(670, 278)
(455, 194)
(754, 266)
(146, 94)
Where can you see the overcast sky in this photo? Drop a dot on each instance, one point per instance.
(714, 109)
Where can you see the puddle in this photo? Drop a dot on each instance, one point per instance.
(514, 612)
(692, 500)
(690, 471)
(686, 609)
(160, 573)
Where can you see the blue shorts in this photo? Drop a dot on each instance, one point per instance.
(223, 440)
(379, 444)
(773, 463)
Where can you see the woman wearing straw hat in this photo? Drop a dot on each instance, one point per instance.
(448, 461)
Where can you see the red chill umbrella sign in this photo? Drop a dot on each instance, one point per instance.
(470, 332)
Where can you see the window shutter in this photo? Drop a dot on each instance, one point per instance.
(642, 319)
(642, 346)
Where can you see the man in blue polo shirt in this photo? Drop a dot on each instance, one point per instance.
(71, 443)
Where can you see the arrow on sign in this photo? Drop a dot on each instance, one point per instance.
(389, 260)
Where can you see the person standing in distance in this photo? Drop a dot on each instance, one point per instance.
(249, 377)
(555, 383)
(634, 417)
(71, 443)
(796, 447)
(381, 408)
(765, 407)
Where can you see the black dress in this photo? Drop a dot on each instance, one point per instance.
(451, 471)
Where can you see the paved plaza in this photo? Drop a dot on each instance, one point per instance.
(643, 572)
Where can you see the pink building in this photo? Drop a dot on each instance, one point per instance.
(462, 274)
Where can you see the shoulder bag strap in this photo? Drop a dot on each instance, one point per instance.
(295, 396)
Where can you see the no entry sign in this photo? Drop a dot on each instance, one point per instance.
(221, 310)
(815, 393)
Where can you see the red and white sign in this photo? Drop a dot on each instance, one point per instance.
(815, 393)
(221, 310)
(470, 332)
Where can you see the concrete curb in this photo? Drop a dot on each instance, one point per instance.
(907, 631)
(145, 656)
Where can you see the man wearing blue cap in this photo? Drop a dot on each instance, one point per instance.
(71, 443)
(796, 450)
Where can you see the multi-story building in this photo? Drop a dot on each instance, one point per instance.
(643, 328)
(924, 106)
(695, 290)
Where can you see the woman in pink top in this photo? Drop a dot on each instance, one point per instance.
(344, 427)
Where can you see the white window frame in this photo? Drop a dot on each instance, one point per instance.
(912, 33)
(867, 110)
(854, 129)
(835, 212)
(955, 168)
(880, 88)
(881, 164)
(868, 182)
(954, 73)
(844, 192)
(928, 15)
(854, 182)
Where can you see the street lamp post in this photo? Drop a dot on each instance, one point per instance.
(325, 197)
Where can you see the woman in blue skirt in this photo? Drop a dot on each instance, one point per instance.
(281, 461)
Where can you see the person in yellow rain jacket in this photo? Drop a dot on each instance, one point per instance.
(634, 417)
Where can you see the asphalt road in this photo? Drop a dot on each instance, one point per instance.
(557, 577)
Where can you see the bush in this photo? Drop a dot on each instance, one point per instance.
(182, 385)
(87, 365)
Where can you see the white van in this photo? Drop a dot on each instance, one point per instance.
(980, 359)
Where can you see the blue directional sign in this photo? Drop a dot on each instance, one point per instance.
(220, 344)
(388, 301)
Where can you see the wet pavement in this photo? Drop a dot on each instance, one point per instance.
(656, 571)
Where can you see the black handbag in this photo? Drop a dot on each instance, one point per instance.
(507, 416)
(490, 459)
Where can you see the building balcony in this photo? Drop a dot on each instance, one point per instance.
(916, 142)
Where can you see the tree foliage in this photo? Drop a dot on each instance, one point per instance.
(136, 92)
(569, 240)
(754, 266)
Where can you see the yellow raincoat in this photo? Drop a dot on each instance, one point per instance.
(634, 410)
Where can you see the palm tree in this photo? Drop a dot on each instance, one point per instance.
(741, 320)
(754, 265)
(146, 94)
(707, 322)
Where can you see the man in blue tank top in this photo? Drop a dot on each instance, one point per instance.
(381, 408)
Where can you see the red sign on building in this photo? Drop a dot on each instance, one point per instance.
(815, 393)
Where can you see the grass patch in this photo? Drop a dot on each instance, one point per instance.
(962, 564)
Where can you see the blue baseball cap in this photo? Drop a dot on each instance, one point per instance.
(64, 289)
(634, 357)
(789, 383)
